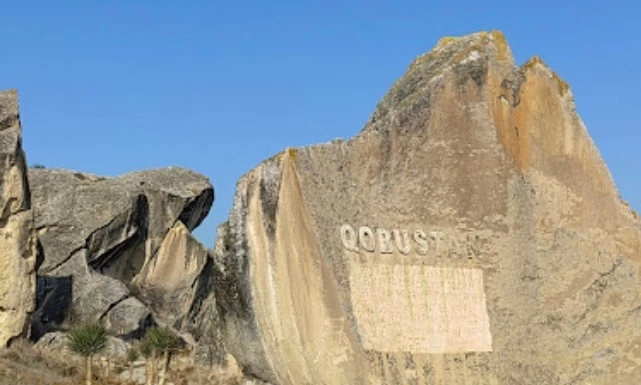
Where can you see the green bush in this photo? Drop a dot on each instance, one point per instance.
(88, 340)
(132, 355)
(160, 339)
(156, 341)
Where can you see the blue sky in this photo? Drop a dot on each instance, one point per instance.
(217, 86)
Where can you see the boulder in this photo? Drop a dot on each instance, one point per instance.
(171, 282)
(470, 233)
(54, 341)
(59, 342)
(17, 238)
(128, 317)
(120, 221)
(99, 233)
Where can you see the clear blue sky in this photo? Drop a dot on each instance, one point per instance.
(217, 86)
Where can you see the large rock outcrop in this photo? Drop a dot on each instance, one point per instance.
(17, 238)
(105, 240)
(470, 233)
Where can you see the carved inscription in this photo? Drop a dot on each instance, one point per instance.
(403, 307)
(420, 242)
(420, 309)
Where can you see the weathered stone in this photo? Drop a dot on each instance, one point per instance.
(93, 294)
(120, 221)
(169, 283)
(172, 194)
(470, 233)
(54, 341)
(99, 233)
(204, 322)
(59, 342)
(17, 238)
(128, 318)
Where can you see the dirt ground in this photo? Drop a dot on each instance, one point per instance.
(22, 364)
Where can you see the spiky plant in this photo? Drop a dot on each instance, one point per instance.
(159, 340)
(132, 356)
(87, 340)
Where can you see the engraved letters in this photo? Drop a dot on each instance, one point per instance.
(366, 238)
(437, 237)
(435, 243)
(349, 238)
(402, 241)
(420, 238)
(384, 238)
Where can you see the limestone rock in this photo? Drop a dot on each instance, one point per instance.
(470, 233)
(54, 341)
(99, 233)
(122, 218)
(170, 282)
(17, 239)
(59, 342)
(128, 318)
(204, 321)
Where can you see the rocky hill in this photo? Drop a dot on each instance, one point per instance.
(469, 234)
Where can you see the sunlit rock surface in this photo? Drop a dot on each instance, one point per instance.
(469, 234)
(17, 238)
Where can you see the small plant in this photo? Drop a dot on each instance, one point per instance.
(132, 356)
(38, 165)
(149, 352)
(158, 341)
(87, 340)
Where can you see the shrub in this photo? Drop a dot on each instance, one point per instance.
(156, 341)
(88, 340)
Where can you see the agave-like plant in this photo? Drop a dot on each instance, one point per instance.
(87, 340)
(156, 341)
(132, 356)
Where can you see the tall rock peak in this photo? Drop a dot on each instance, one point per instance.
(467, 58)
(17, 238)
(469, 233)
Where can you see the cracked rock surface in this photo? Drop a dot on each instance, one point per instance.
(469, 234)
(100, 236)
(17, 238)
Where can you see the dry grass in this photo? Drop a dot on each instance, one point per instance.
(23, 364)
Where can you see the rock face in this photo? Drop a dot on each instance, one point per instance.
(101, 238)
(470, 233)
(205, 319)
(173, 281)
(17, 239)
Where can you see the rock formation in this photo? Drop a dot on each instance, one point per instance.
(470, 233)
(17, 240)
(105, 242)
(171, 282)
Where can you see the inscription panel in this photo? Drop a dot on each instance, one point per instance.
(420, 309)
